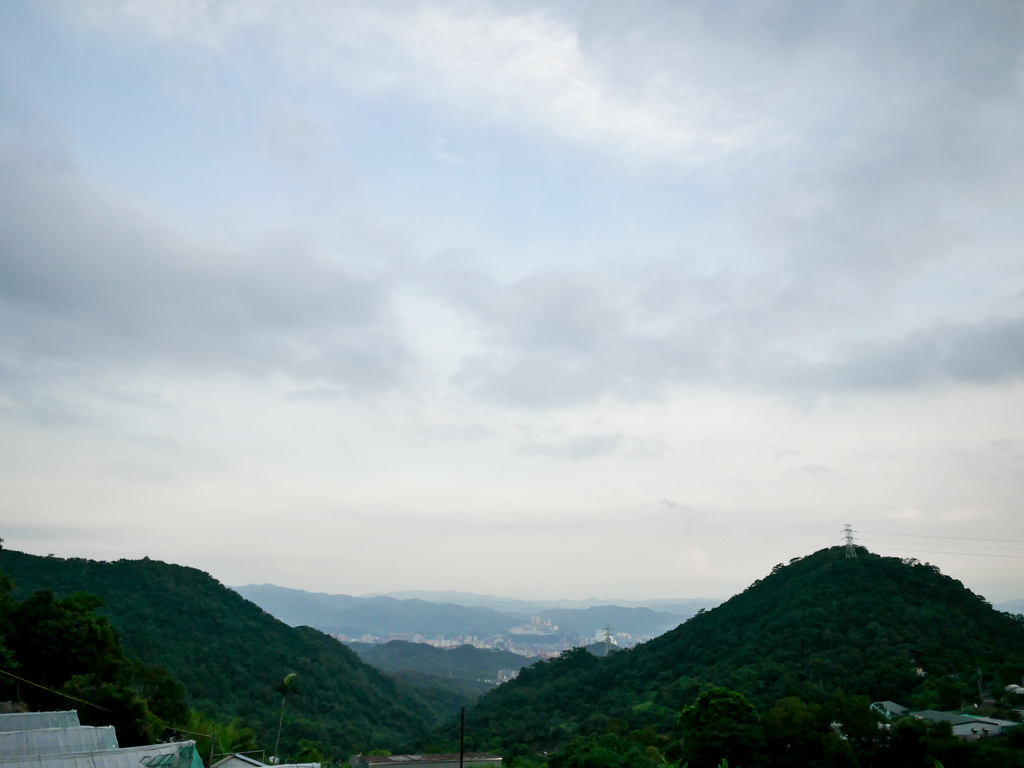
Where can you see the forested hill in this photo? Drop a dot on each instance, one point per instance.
(464, 662)
(820, 625)
(230, 654)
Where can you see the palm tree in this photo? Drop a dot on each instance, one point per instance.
(286, 686)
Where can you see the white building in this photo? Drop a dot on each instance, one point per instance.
(967, 727)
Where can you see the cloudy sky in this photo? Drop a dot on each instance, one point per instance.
(546, 300)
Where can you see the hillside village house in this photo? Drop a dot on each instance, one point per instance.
(966, 726)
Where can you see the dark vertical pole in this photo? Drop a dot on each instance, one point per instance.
(462, 738)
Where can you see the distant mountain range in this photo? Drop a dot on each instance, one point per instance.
(679, 606)
(459, 614)
(1010, 606)
(379, 616)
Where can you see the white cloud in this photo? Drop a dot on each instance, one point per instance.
(489, 64)
(90, 281)
(825, 275)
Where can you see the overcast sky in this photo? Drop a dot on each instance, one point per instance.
(545, 300)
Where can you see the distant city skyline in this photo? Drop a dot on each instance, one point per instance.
(538, 299)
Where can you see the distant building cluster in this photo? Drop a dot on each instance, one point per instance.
(537, 626)
(504, 675)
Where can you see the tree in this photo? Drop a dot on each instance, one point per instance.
(66, 649)
(721, 725)
(287, 686)
(795, 732)
(942, 692)
(309, 752)
(54, 640)
(609, 750)
(860, 728)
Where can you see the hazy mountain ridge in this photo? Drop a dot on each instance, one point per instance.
(679, 606)
(1010, 606)
(383, 615)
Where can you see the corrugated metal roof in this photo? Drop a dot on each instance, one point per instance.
(179, 754)
(29, 721)
(56, 741)
(935, 716)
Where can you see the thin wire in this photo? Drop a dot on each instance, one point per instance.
(933, 552)
(83, 701)
(185, 730)
(985, 548)
(65, 695)
(953, 538)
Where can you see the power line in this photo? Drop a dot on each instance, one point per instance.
(952, 538)
(59, 693)
(83, 701)
(933, 552)
(974, 547)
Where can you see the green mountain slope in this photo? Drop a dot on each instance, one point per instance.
(230, 654)
(464, 662)
(821, 625)
(463, 671)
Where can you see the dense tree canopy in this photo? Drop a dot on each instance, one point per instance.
(719, 725)
(61, 652)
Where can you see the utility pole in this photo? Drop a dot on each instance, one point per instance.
(980, 694)
(851, 551)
